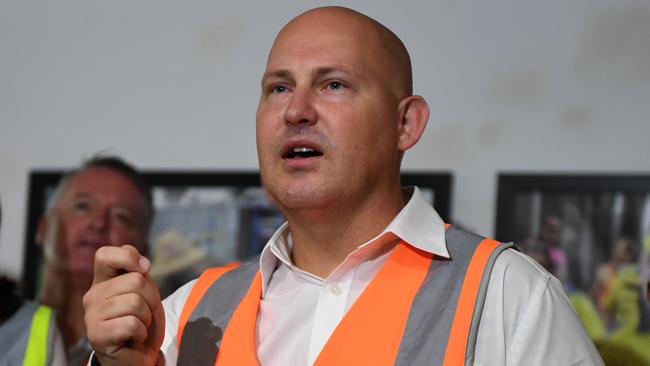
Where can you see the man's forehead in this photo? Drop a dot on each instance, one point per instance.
(354, 38)
(324, 50)
(102, 181)
(327, 24)
(332, 17)
(283, 73)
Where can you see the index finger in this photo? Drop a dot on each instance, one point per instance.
(112, 261)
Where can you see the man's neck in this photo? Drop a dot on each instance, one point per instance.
(323, 238)
(66, 297)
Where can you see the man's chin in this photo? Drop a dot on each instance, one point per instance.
(81, 278)
(306, 200)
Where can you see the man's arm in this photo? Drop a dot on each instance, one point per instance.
(124, 317)
(528, 319)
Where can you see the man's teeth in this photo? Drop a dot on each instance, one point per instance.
(302, 150)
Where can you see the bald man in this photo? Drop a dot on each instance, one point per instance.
(363, 272)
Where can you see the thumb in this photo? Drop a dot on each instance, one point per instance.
(112, 261)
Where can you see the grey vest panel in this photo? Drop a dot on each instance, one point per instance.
(204, 329)
(427, 330)
(425, 337)
(14, 335)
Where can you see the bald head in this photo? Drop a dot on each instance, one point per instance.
(336, 113)
(384, 51)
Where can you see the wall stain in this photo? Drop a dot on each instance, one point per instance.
(444, 142)
(576, 116)
(616, 49)
(519, 87)
(491, 133)
(217, 40)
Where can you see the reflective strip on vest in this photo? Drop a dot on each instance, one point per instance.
(37, 347)
(365, 335)
(418, 309)
(201, 338)
(196, 294)
(467, 310)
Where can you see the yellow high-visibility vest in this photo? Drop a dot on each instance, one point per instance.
(39, 333)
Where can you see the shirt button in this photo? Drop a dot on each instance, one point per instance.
(335, 289)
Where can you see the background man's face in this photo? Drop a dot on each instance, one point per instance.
(328, 89)
(98, 206)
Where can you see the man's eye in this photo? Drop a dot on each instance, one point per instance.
(81, 206)
(123, 218)
(335, 85)
(277, 89)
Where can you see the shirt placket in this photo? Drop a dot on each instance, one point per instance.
(330, 309)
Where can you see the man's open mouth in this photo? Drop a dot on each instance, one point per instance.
(301, 152)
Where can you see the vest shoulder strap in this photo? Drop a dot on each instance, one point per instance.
(40, 334)
(202, 284)
(464, 329)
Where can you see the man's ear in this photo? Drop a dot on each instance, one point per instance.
(413, 114)
(41, 229)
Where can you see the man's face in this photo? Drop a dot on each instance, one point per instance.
(98, 206)
(622, 251)
(327, 121)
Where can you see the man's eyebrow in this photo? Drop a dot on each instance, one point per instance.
(318, 72)
(324, 70)
(281, 74)
(81, 194)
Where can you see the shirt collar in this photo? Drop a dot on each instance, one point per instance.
(417, 223)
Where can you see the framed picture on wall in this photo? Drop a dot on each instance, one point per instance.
(593, 233)
(202, 219)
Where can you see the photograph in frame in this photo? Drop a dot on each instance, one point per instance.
(592, 232)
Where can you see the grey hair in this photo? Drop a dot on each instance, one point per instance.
(110, 162)
(53, 198)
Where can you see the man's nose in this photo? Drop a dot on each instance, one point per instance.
(301, 109)
(99, 219)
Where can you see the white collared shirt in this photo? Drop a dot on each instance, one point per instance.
(527, 319)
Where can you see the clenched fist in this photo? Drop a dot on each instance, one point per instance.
(124, 317)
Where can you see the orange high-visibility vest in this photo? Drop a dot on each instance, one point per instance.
(402, 317)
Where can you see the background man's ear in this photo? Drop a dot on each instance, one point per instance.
(414, 114)
(41, 229)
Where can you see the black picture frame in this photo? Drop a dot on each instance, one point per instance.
(43, 181)
(592, 231)
(591, 198)
(511, 184)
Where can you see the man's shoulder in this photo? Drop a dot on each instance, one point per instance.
(454, 234)
(518, 286)
(229, 271)
(510, 264)
(517, 275)
(525, 307)
(513, 262)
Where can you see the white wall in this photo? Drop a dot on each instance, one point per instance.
(559, 85)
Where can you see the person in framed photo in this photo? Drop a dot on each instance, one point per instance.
(363, 272)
